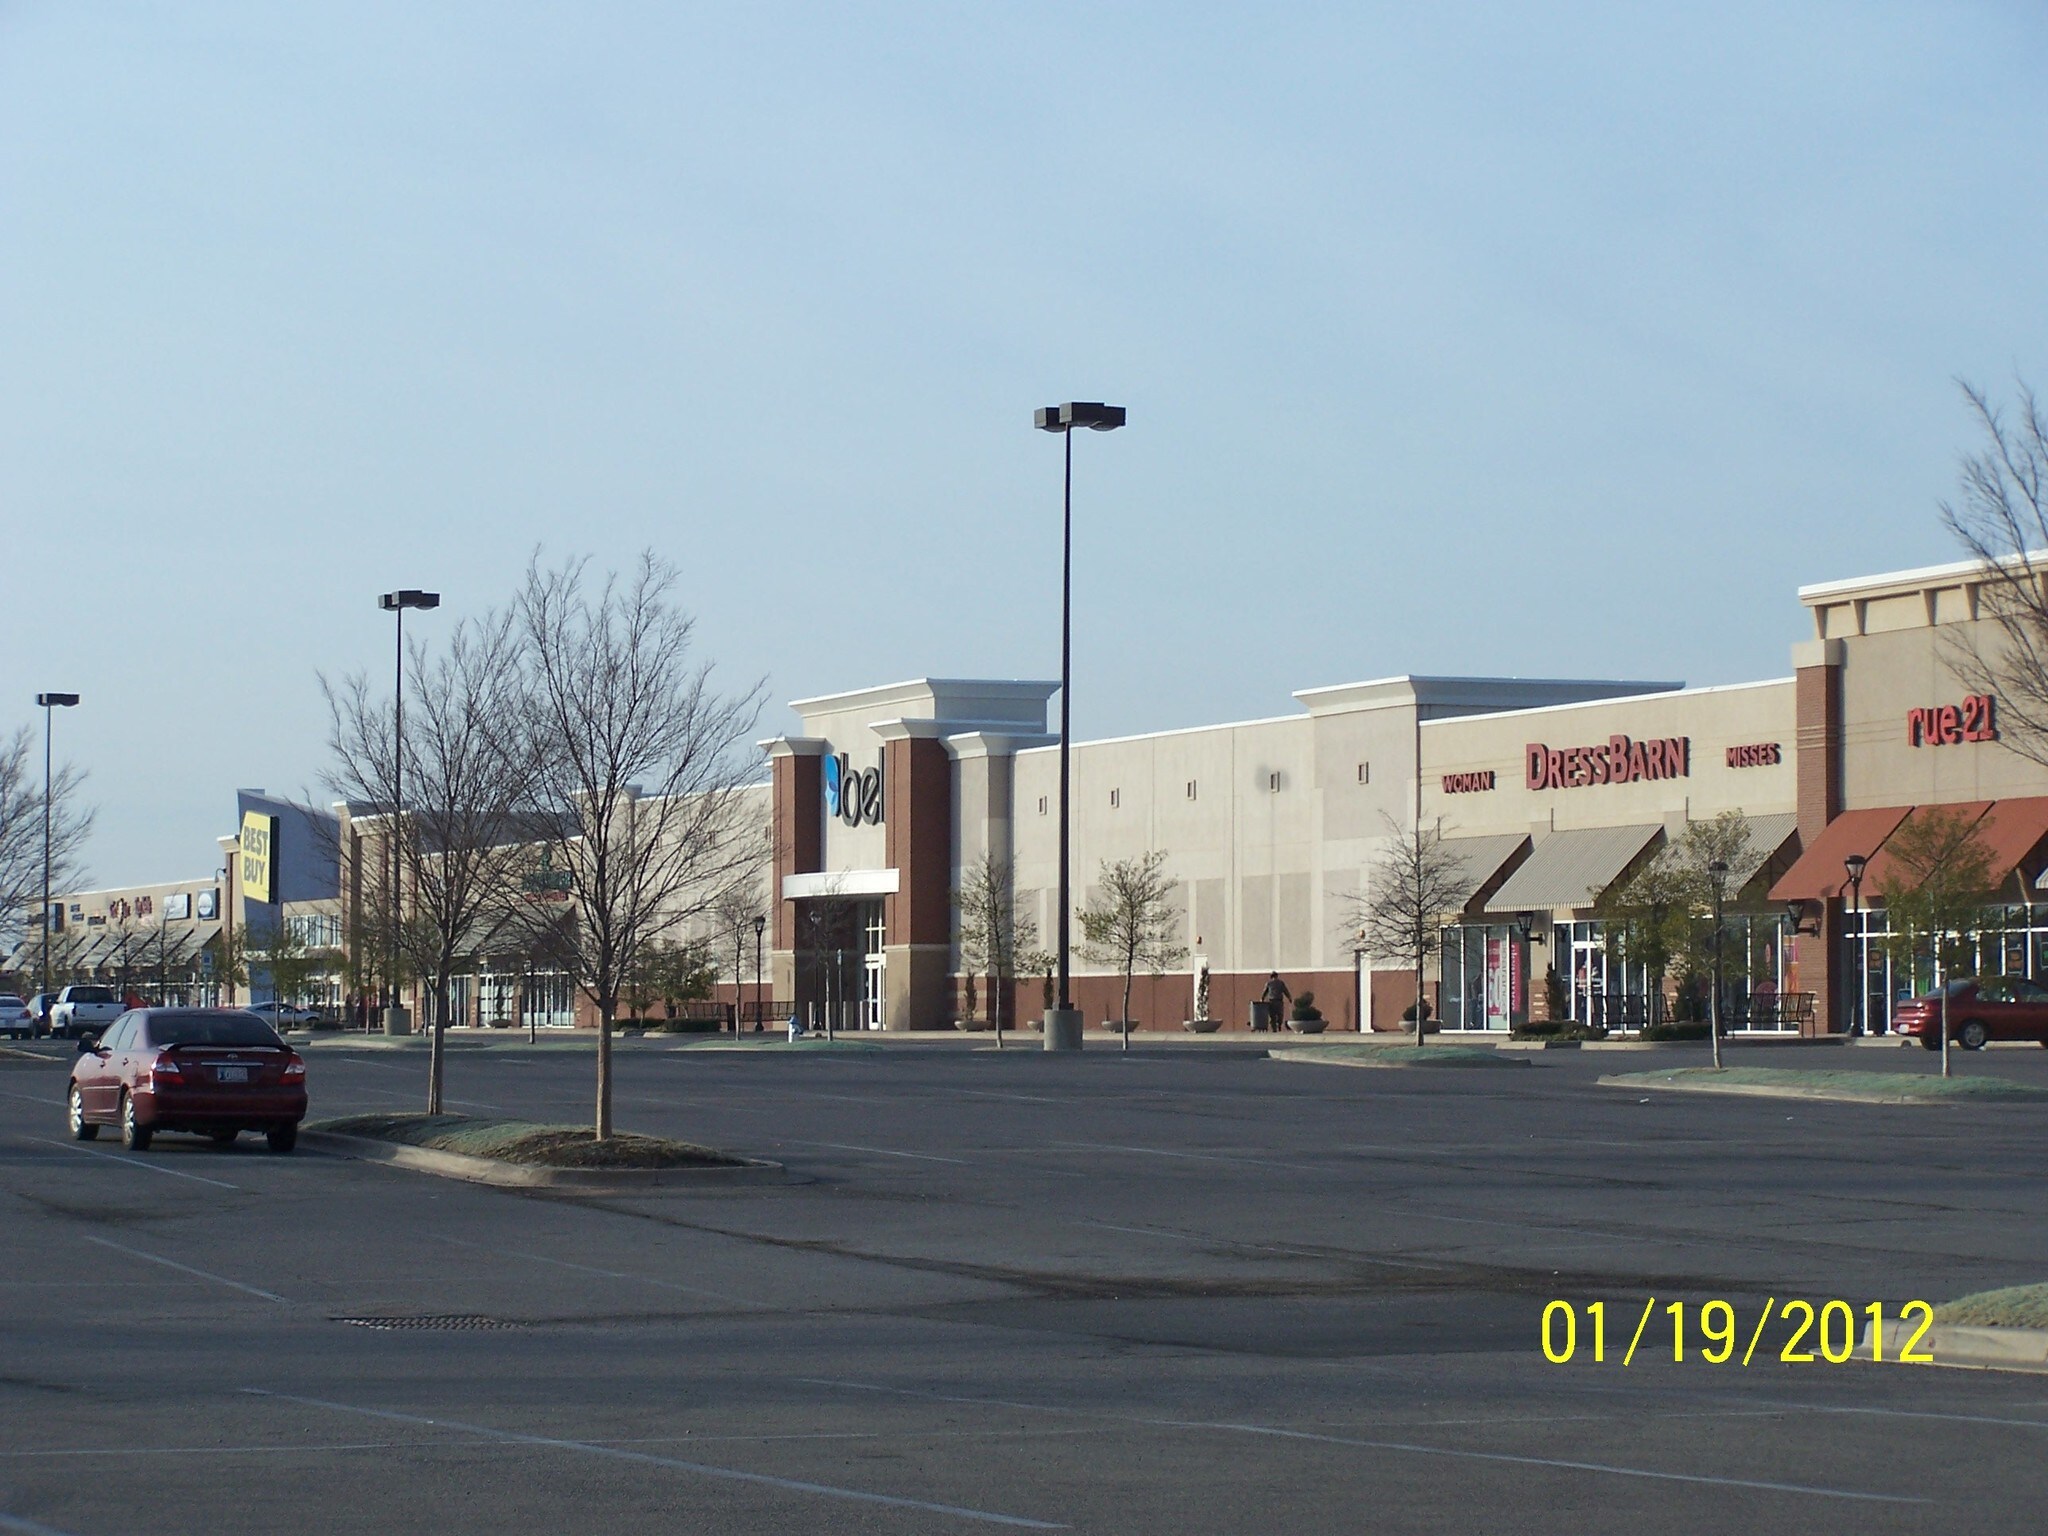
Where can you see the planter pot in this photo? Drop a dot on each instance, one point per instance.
(1308, 1026)
(1201, 1026)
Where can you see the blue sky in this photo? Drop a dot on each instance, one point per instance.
(1543, 341)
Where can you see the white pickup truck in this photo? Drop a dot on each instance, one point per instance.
(81, 1011)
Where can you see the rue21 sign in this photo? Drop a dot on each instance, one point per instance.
(852, 794)
(1945, 725)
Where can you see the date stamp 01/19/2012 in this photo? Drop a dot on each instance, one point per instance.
(1710, 1331)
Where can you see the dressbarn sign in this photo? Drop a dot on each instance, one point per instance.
(1618, 760)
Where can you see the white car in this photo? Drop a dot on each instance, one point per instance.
(284, 1015)
(16, 1021)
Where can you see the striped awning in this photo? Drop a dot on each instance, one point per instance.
(1571, 869)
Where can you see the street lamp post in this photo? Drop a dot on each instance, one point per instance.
(1855, 864)
(760, 925)
(1719, 871)
(395, 604)
(48, 702)
(1063, 1022)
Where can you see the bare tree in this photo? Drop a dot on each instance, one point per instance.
(640, 765)
(1938, 875)
(1132, 922)
(464, 837)
(1415, 885)
(2001, 518)
(995, 940)
(732, 918)
(21, 830)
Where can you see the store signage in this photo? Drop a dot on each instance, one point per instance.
(259, 857)
(1616, 761)
(209, 905)
(1468, 783)
(1758, 754)
(852, 794)
(1945, 725)
(177, 905)
(546, 883)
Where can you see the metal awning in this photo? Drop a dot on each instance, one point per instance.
(2014, 829)
(1484, 860)
(1571, 869)
(1768, 836)
(1819, 874)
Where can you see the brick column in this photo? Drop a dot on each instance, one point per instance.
(796, 770)
(917, 801)
(1817, 695)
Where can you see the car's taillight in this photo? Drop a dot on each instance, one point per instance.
(295, 1068)
(166, 1066)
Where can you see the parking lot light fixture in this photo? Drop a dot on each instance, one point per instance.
(48, 702)
(760, 926)
(1854, 865)
(1063, 1023)
(395, 604)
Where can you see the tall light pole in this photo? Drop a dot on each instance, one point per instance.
(1063, 1022)
(395, 604)
(1855, 864)
(1719, 871)
(760, 924)
(48, 702)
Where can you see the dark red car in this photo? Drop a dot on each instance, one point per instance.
(1980, 1009)
(213, 1071)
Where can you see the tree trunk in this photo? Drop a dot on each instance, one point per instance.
(1124, 1019)
(604, 1072)
(1418, 1002)
(1944, 1025)
(995, 1007)
(436, 1061)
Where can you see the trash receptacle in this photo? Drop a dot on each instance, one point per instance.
(1260, 1022)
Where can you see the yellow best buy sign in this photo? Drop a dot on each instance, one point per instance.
(259, 857)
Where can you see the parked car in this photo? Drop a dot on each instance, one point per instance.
(84, 1010)
(17, 1019)
(285, 1015)
(1980, 1009)
(40, 1005)
(212, 1071)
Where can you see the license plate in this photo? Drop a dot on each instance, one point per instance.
(233, 1075)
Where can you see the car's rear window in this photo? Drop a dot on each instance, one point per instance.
(210, 1029)
(92, 994)
(9, 1000)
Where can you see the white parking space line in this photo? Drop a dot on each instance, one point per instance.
(1402, 1446)
(29, 1527)
(841, 1146)
(187, 1269)
(56, 1100)
(1237, 1243)
(132, 1162)
(644, 1458)
(609, 1274)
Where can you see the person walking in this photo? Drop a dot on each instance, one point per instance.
(1276, 998)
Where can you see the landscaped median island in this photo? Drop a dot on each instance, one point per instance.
(2004, 1330)
(1849, 1087)
(495, 1150)
(1402, 1053)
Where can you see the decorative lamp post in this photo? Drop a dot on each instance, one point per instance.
(760, 926)
(48, 702)
(1063, 1021)
(1855, 864)
(395, 604)
(1719, 870)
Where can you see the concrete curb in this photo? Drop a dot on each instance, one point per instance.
(1397, 1063)
(1838, 1095)
(485, 1170)
(1965, 1346)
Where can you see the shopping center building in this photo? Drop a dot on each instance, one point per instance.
(1549, 791)
(884, 802)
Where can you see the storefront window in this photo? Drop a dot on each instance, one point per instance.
(1483, 977)
(2011, 941)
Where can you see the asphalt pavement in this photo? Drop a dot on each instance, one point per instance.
(1178, 1291)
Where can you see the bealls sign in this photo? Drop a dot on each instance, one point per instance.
(852, 794)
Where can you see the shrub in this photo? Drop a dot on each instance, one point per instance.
(1305, 1007)
(1677, 1032)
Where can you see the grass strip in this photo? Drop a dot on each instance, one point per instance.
(1851, 1087)
(526, 1143)
(2018, 1306)
(1407, 1054)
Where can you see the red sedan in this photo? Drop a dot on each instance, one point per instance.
(213, 1071)
(1980, 1009)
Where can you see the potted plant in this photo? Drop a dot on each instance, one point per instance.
(1307, 1018)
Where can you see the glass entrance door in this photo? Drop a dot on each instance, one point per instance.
(874, 970)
